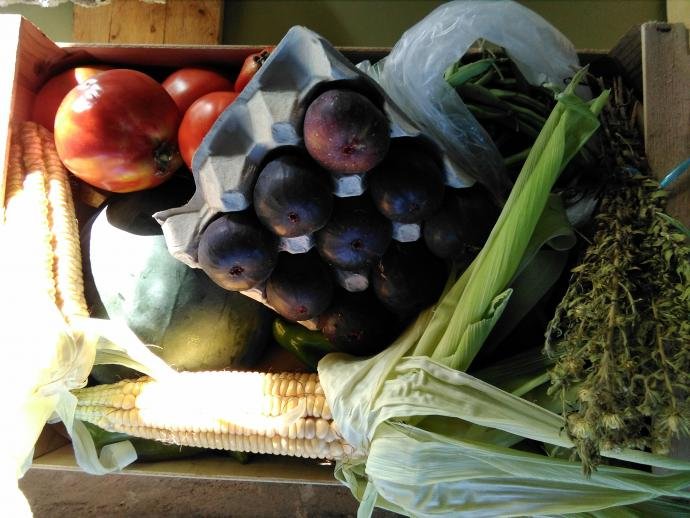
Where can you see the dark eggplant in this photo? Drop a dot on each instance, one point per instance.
(237, 252)
(357, 323)
(300, 286)
(408, 278)
(292, 196)
(408, 185)
(345, 132)
(461, 226)
(356, 235)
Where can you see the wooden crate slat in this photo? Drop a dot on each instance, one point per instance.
(137, 22)
(27, 56)
(91, 23)
(666, 76)
(628, 52)
(196, 22)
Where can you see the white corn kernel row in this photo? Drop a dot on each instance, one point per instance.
(276, 445)
(65, 231)
(301, 428)
(27, 212)
(291, 383)
(214, 409)
(40, 216)
(281, 392)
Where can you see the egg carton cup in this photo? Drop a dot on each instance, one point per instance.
(266, 117)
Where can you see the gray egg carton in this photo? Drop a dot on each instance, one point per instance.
(265, 117)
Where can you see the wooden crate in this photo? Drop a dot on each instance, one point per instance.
(657, 55)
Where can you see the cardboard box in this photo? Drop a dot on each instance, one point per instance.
(31, 58)
(655, 58)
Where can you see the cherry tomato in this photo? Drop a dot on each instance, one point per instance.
(118, 131)
(52, 93)
(198, 119)
(251, 65)
(186, 85)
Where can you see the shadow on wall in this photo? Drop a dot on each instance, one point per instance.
(374, 23)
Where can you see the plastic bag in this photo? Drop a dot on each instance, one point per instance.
(412, 74)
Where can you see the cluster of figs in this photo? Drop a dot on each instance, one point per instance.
(362, 276)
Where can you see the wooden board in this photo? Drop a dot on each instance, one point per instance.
(197, 22)
(628, 52)
(666, 76)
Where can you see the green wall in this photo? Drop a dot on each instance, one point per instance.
(56, 22)
(595, 24)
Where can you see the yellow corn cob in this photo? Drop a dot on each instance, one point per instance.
(281, 414)
(40, 217)
(27, 213)
(63, 222)
(15, 177)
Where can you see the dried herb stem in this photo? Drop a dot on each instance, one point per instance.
(621, 334)
(664, 364)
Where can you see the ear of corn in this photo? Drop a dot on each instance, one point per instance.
(282, 414)
(65, 232)
(40, 220)
(27, 219)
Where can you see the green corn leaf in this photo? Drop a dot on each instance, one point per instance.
(517, 374)
(464, 478)
(569, 126)
(478, 331)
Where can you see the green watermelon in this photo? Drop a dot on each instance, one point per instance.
(130, 275)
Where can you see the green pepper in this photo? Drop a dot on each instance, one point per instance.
(307, 345)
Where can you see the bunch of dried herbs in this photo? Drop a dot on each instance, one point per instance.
(621, 334)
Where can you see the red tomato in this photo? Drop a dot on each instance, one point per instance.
(186, 85)
(198, 119)
(118, 131)
(50, 95)
(251, 65)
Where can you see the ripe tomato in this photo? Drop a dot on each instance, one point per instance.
(50, 95)
(251, 65)
(186, 85)
(198, 119)
(117, 131)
